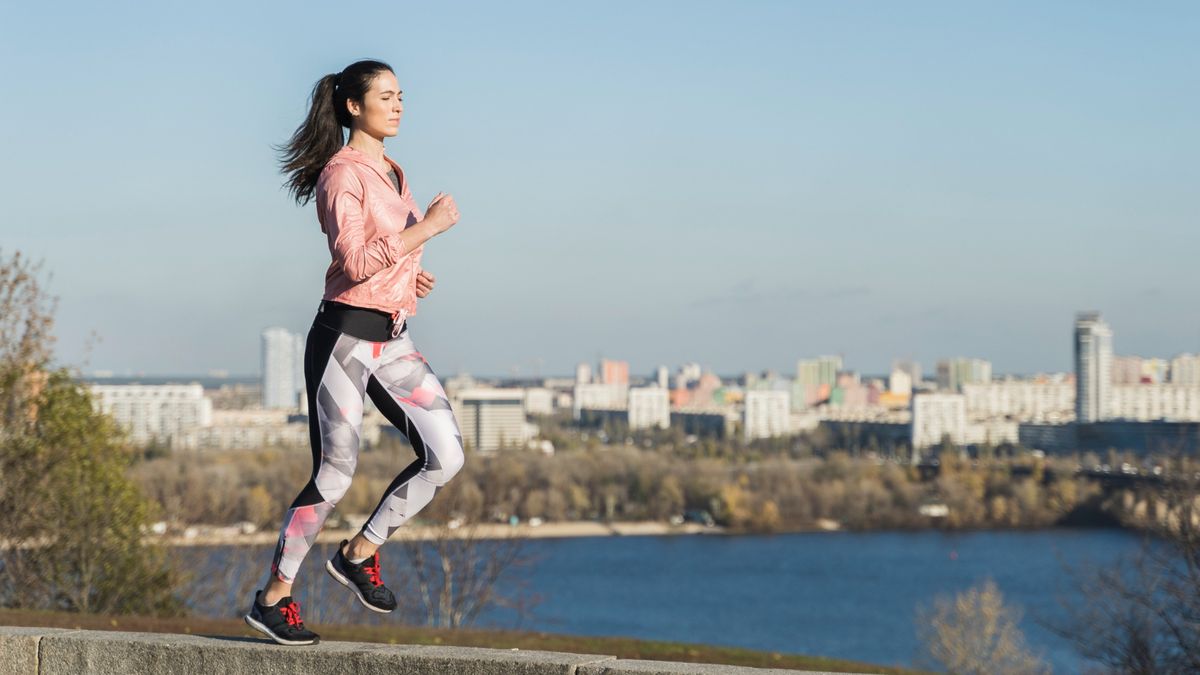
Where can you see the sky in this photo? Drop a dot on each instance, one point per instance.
(738, 184)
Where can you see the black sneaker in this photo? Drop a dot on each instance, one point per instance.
(281, 622)
(363, 579)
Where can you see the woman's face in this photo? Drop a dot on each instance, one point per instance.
(379, 114)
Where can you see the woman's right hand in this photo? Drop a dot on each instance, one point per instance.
(442, 212)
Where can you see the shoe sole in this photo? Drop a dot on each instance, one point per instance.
(262, 628)
(338, 577)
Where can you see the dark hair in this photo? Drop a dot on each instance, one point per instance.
(320, 136)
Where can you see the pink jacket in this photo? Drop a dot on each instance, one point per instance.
(362, 215)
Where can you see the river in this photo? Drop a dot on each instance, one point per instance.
(843, 595)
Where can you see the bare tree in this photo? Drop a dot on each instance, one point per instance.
(454, 574)
(1142, 615)
(975, 633)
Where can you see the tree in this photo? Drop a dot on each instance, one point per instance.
(73, 525)
(975, 633)
(26, 339)
(1143, 615)
(456, 574)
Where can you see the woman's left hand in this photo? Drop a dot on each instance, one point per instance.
(425, 283)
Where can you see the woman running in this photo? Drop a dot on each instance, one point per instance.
(359, 344)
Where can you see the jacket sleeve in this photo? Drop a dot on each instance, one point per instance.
(340, 206)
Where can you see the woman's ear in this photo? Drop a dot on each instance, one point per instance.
(353, 107)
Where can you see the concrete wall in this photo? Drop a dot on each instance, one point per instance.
(55, 651)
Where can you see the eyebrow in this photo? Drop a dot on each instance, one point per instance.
(389, 91)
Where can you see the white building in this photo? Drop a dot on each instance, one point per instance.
(936, 416)
(900, 382)
(583, 374)
(688, 374)
(649, 407)
(597, 396)
(282, 368)
(1041, 400)
(539, 401)
(663, 377)
(992, 432)
(1146, 402)
(767, 414)
(1093, 368)
(165, 413)
(491, 419)
(252, 430)
(1185, 370)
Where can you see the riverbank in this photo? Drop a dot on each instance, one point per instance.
(235, 535)
(238, 536)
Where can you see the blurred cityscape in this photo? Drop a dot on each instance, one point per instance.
(1132, 403)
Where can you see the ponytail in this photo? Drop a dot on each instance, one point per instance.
(320, 136)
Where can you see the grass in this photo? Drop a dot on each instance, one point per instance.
(626, 648)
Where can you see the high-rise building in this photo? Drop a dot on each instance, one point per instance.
(649, 407)
(614, 372)
(662, 377)
(952, 374)
(491, 419)
(767, 414)
(938, 416)
(282, 368)
(1185, 370)
(1093, 368)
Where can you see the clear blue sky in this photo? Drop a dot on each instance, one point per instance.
(740, 184)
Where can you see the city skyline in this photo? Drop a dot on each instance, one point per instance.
(916, 181)
(819, 368)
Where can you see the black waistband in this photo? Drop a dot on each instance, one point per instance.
(359, 322)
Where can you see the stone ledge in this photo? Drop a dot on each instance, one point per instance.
(55, 651)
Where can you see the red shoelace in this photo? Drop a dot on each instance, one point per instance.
(291, 614)
(372, 570)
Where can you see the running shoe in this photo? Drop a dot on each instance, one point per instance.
(363, 579)
(281, 622)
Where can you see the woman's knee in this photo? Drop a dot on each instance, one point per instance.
(333, 479)
(450, 461)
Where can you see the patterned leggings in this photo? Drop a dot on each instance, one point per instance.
(339, 370)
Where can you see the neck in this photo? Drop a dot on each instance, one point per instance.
(367, 144)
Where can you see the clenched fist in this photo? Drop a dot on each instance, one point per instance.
(442, 212)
